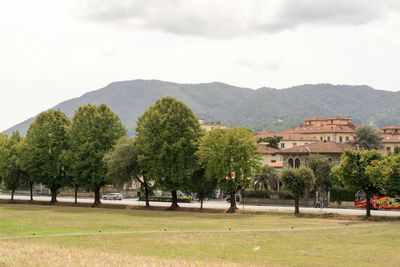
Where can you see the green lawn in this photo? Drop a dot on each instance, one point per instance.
(55, 236)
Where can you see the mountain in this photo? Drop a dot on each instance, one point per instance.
(264, 108)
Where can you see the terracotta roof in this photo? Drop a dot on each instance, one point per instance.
(322, 129)
(391, 127)
(286, 136)
(317, 147)
(390, 138)
(263, 149)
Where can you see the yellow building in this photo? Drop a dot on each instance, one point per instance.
(208, 126)
(390, 138)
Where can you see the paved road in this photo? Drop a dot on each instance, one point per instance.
(216, 204)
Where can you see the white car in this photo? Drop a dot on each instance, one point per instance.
(113, 196)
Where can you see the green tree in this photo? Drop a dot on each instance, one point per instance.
(11, 173)
(94, 131)
(167, 139)
(123, 166)
(367, 138)
(230, 156)
(42, 152)
(201, 185)
(397, 150)
(298, 182)
(385, 174)
(351, 172)
(266, 176)
(321, 167)
(271, 141)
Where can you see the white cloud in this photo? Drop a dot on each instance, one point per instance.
(232, 18)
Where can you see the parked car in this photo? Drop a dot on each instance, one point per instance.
(113, 196)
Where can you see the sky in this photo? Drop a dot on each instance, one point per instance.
(51, 51)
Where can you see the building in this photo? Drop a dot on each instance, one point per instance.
(390, 138)
(335, 128)
(270, 156)
(208, 126)
(288, 139)
(297, 156)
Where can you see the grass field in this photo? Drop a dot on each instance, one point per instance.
(33, 235)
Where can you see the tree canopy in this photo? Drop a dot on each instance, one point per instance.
(298, 182)
(43, 149)
(271, 141)
(94, 131)
(321, 167)
(167, 138)
(385, 174)
(230, 156)
(367, 138)
(351, 172)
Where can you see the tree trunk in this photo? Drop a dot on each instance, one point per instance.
(368, 206)
(201, 203)
(12, 194)
(76, 194)
(174, 204)
(146, 195)
(97, 200)
(233, 207)
(296, 205)
(53, 196)
(31, 189)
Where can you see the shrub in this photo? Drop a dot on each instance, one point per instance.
(339, 194)
(256, 194)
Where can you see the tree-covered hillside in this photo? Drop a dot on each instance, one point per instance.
(264, 108)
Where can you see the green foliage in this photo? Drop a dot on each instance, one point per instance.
(267, 175)
(42, 152)
(166, 142)
(397, 150)
(298, 182)
(339, 194)
(271, 141)
(367, 138)
(10, 171)
(200, 185)
(256, 193)
(321, 167)
(385, 174)
(122, 163)
(351, 171)
(94, 131)
(222, 151)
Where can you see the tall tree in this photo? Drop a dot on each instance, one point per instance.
(167, 138)
(123, 166)
(367, 138)
(351, 172)
(201, 185)
(11, 173)
(230, 156)
(41, 155)
(385, 174)
(321, 167)
(94, 131)
(298, 182)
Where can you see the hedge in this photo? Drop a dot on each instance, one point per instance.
(166, 199)
(340, 194)
(256, 194)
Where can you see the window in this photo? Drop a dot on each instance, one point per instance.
(330, 159)
(321, 138)
(282, 145)
(273, 160)
(329, 138)
(297, 163)
(388, 149)
(340, 139)
(294, 144)
(347, 139)
(290, 162)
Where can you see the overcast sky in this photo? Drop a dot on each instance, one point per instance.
(51, 51)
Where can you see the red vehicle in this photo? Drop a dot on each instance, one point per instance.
(377, 202)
